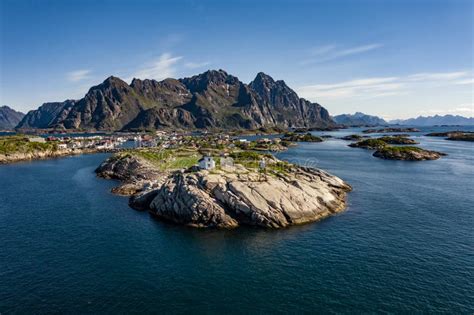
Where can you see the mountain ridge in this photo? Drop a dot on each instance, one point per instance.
(359, 119)
(9, 117)
(213, 99)
(435, 120)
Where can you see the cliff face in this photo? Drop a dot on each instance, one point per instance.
(227, 200)
(9, 118)
(213, 99)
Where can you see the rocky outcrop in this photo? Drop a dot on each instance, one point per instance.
(353, 137)
(301, 137)
(135, 174)
(397, 140)
(225, 200)
(407, 154)
(462, 137)
(213, 99)
(454, 135)
(232, 197)
(370, 144)
(9, 118)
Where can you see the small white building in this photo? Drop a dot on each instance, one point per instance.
(37, 139)
(62, 146)
(227, 161)
(207, 163)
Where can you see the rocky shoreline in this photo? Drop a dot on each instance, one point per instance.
(407, 154)
(282, 196)
(43, 155)
(47, 154)
(385, 150)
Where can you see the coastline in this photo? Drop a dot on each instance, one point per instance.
(45, 155)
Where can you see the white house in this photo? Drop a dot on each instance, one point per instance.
(227, 162)
(62, 146)
(36, 139)
(207, 163)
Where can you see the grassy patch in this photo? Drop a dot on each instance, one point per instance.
(401, 149)
(20, 144)
(369, 143)
(169, 159)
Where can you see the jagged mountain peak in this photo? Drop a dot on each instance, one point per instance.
(262, 80)
(212, 99)
(111, 81)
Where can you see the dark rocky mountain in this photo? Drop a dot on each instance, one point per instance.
(449, 120)
(359, 119)
(46, 115)
(9, 118)
(213, 99)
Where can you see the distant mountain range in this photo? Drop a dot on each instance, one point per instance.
(435, 120)
(213, 99)
(359, 119)
(9, 118)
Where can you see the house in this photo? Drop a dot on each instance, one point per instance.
(207, 163)
(36, 139)
(62, 146)
(227, 161)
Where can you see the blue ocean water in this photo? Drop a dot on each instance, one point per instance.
(405, 243)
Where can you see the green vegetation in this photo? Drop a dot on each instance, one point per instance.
(297, 137)
(369, 144)
(169, 159)
(397, 140)
(21, 144)
(405, 149)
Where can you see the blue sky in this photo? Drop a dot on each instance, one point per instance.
(395, 59)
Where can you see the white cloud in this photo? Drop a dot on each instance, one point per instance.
(78, 75)
(358, 87)
(379, 86)
(159, 69)
(196, 65)
(437, 76)
(466, 81)
(331, 52)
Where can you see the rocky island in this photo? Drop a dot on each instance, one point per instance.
(301, 137)
(406, 153)
(389, 152)
(238, 188)
(353, 137)
(454, 135)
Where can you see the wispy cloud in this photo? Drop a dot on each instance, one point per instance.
(78, 75)
(331, 52)
(378, 86)
(161, 68)
(367, 86)
(437, 76)
(196, 65)
(466, 81)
